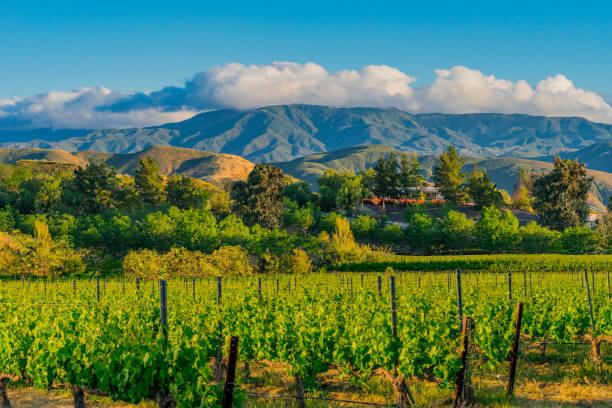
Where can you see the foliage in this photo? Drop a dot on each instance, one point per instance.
(259, 200)
(364, 227)
(391, 234)
(496, 231)
(385, 178)
(149, 183)
(560, 197)
(456, 231)
(299, 192)
(581, 240)
(521, 196)
(420, 233)
(448, 177)
(482, 191)
(185, 192)
(349, 194)
(538, 239)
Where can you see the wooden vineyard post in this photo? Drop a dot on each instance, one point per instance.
(515, 348)
(593, 281)
(448, 282)
(362, 280)
(459, 300)
(460, 395)
(98, 289)
(218, 362)
(586, 278)
(393, 307)
(123, 285)
(163, 309)
(608, 273)
(193, 288)
(510, 286)
(74, 286)
(379, 285)
(524, 283)
(259, 287)
(230, 378)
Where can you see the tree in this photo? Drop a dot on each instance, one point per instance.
(535, 238)
(456, 230)
(364, 227)
(149, 182)
(349, 194)
(299, 192)
(368, 181)
(420, 232)
(410, 171)
(93, 189)
(581, 240)
(482, 191)
(260, 199)
(385, 177)
(560, 197)
(496, 231)
(448, 177)
(304, 218)
(185, 192)
(521, 197)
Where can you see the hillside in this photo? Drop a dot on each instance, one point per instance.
(502, 170)
(211, 167)
(286, 132)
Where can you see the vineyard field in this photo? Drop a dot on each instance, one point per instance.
(105, 334)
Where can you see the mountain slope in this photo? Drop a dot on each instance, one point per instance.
(285, 132)
(212, 167)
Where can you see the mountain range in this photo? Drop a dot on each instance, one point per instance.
(286, 132)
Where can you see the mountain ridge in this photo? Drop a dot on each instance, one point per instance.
(285, 132)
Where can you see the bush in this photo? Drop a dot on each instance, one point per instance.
(456, 231)
(327, 222)
(297, 262)
(364, 227)
(420, 232)
(391, 234)
(581, 240)
(497, 231)
(7, 220)
(535, 238)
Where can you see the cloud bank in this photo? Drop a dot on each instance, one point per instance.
(455, 90)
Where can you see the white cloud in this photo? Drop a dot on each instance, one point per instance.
(455, 90)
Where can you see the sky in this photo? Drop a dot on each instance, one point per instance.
(130, 63)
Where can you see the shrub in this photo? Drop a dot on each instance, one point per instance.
(581, 240)
(535, 238)
(391, 234)
(364, 227)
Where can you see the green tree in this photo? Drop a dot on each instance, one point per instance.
(349, 194)
(448, 177)
(260, 199)
(185, 192)
(368, 181)
(410, 171)
(420, 233)
(304, 218)
(364, 227)
(521, 196)
(456, 230)
(482, 191)
(149, 182)
(581, 240)
(535, 238)
(299, 192)
(497, 231)
(93, 189)
(385, 177)
(560, 197)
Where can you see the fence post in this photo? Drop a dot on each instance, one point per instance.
(586, 278)
(193, 287)
(524, 283)
(459, 300)
(74, 286)
(98, 289)
(515, 348)
(163, 309)
(461, 383)
(218, 365)
(393, 308)
(509, 285)
(608, 273)
(232, 358)
(259, 286)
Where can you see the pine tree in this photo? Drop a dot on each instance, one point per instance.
(482, 191)
(448, 177)
(149, 183)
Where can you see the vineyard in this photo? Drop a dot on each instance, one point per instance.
(109, 336)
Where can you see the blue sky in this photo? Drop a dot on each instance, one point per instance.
(131, 46)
